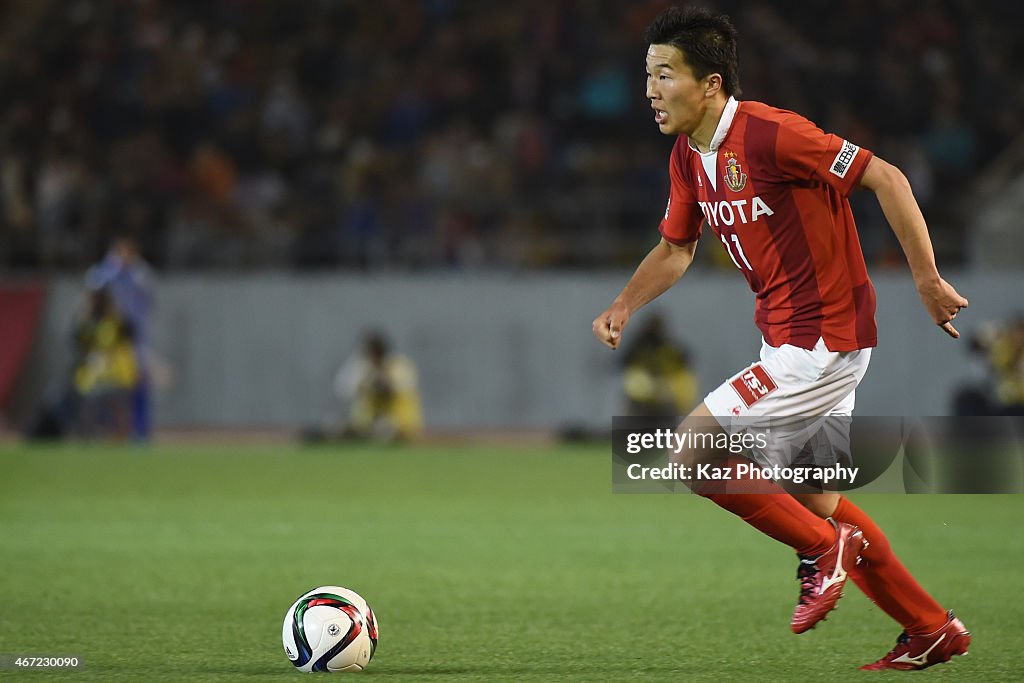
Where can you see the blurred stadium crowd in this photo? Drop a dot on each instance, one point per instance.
(264, 133)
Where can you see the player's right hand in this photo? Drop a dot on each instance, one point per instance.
(609, 325)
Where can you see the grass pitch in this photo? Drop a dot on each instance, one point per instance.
(482, 564)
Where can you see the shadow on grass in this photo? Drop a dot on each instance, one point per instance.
(511, 672)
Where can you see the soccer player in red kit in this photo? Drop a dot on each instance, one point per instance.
(773, 188)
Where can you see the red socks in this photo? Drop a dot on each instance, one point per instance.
(780, 516)
(885, 580)
(881, 576)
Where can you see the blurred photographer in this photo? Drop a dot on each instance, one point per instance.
(1001, 346)
(106, 370)
(382, 390)
(658, 378)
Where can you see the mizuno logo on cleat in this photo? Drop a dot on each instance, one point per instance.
(838, 575)
(921, 658)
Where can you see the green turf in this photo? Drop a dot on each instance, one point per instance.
(483, 564)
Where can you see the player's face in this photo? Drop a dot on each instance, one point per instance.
(678, 99)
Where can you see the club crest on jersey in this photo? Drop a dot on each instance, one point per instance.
(735, 178)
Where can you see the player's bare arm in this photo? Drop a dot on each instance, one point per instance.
(660, 269)
(904, 215)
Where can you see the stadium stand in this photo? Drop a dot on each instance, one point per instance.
(260, 134)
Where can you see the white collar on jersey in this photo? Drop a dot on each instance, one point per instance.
(724, 124)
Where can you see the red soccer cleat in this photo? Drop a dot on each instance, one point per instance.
(920, 652)
(822, 578)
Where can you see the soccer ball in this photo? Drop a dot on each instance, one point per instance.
(330, 629)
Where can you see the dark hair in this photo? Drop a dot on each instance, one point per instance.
(707, 41)
(375, 344)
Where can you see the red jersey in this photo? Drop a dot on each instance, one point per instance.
(774, 190)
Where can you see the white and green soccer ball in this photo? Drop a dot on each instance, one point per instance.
(330, 629)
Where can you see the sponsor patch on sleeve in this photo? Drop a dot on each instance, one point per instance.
(841, 164)
(753, 384)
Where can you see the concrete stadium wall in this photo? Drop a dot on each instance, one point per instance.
(493, 351)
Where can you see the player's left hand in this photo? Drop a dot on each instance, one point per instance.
(942, 303)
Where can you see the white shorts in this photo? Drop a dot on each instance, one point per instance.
(800, 400)
(791, 382)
